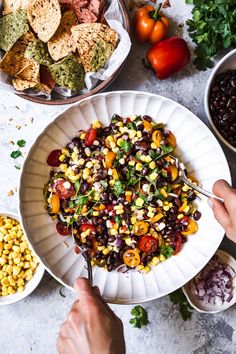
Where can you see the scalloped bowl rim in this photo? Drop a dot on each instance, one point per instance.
(120, 92)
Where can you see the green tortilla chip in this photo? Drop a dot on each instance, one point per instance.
(39, 52)
(12, 27)
(97, 57)
(68, 73)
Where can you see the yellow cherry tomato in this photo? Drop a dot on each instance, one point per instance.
(147, 125)
(191, 228)
(131, 258)
(140, 228)
(171, 140)
(55, 203)
(110, 157)
(174, 172)
(157, 137)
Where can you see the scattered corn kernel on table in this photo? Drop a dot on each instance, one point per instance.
(31, 325)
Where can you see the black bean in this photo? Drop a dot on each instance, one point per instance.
(197, 215)
(97, 178)
(148, 118)
(84, 186)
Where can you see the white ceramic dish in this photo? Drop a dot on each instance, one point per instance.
(198, 149)
(227, 62)
(30, 285)
(207, 308)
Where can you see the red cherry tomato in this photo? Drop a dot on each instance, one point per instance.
(61, 190)
(63, 229)
(148, 244)
(178, 243)
(53, 158)
(85, 227)
(109, 207)
(90, 137)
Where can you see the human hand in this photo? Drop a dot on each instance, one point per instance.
(91, 326)
(225, 213)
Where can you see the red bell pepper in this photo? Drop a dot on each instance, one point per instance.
(168, 57)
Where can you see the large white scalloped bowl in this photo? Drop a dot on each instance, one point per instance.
(197, 148)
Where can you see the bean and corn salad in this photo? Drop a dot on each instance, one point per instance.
(17, 263)
(120, 190)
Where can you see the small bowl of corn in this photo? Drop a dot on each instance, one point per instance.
(20, 270)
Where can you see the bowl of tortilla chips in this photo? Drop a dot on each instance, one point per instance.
(59, 51)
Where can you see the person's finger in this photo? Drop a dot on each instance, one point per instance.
(220, 213)
(96, 290)
(65, 345)
(221, 187)
(83, 288)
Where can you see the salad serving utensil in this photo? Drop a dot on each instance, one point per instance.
(184, 178)
(85, 254)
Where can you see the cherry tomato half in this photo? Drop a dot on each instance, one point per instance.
(178, 243)
(140, 228)
(53, 158)
(63, 229)
(90, 137)
(131, 258)
(55, 204)
(148, 244)
(85, 227)
(60, 188)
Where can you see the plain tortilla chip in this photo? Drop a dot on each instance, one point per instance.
(44, 17)
(38, 51)
(12, 27)
(68, 73)
(86, 35)
(21, 85)
(97, 57)
(60, 45)
(14, 61)
(12, 5)
(30, 73)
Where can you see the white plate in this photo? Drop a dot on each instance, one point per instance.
(198, 149)
(30, 285)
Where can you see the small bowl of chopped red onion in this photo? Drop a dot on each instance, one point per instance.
(214, 288)
(220, 100)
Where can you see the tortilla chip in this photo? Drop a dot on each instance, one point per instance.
(38, 51)
(21, 85)
(97, 57)
(60, 45)
(68, 73)
(86, 35)
(30, 73)
(12, 27)
(44, 17)
(43, 88)
(14, 61)
(12, 5)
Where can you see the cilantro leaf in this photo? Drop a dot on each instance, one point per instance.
(21, 143)
(77, 186)
(167, 251)
(166, 149)
(140, 317)
(118, 188)
(18, 167)
(117, 219)
(153, 154)
(126, 146)
(131, 125)
(104, 184)
(15, 154)
(178, 298)
(81, 200)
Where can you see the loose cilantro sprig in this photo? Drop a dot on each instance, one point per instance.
(212, 28)
(17, 153)
(178, 298)
(140, 317)
(118, 188)
(126, 146)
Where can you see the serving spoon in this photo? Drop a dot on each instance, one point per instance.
(85, 254)
(184, 178)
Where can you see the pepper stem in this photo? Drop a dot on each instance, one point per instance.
(155, 14)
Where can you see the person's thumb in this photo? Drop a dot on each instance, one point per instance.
(220, 213)
(83, 288)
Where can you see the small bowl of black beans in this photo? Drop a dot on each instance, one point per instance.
(220, 100)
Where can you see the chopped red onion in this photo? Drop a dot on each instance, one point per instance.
(214, 284)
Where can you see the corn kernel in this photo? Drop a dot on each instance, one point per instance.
(139, 267)
(131, 163)
(155, 261)
(65, 152)
(119, 212)
(128, 241)
(62, 158)
(186, 209)
(162, 258)
(152, 165)
(139, 134)
(96, 124)
(113, 232)
(101, 248)
(180, 216)
(153, 176)
(150, 214)
(20, 289)
(81, 162)
(139, 202)
(106, 251)
(133, 220)
(153, 146)
(139, 166)
(166, 207)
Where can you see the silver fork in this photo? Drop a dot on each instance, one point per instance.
(85, 254)
(193, 186)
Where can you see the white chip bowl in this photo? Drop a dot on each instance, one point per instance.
(30, 285)
(227, 62)
(197, 148)
(207, 308)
